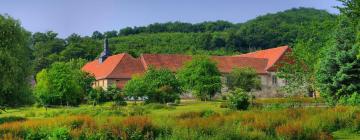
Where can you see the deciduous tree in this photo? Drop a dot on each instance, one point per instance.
(201, 77)
(14, 63)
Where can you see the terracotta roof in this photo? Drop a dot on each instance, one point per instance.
(169, 61)
(273, 55)
(227, 63)
(125, 66)
(224, 63)
(115, 66)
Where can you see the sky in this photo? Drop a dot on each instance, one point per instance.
(85, 16)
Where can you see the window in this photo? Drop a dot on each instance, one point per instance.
(274, 80)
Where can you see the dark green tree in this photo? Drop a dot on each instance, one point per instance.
(97, 35)
(14, 63)
(110, 34)
(46, 49)
(338, 72)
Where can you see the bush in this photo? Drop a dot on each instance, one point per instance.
(11, 119)
(138, 127)
(239, 99)
(60, 134)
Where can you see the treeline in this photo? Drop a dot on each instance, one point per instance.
(39, 50)
(215, 38)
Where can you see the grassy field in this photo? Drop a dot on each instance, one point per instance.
(267, 119)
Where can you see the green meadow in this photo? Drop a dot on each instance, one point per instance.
(306, 118)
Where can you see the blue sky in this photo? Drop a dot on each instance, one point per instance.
(85, 16)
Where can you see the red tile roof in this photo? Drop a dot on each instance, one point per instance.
(124, 66)
(224, 63)
(227, 63)
(116, 66)
(169, 61)
(273, 55)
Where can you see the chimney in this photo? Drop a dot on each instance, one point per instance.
(106, 52)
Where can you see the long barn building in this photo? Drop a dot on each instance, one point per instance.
(118, 69)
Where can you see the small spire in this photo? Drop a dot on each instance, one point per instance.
(106, 51)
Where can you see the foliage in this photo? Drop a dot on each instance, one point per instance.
(337, 74)
(63, 84)
(163, 87)
(135, 88)
(239, 99)
(192, 120)
(281, 28)
(14, 63)
(47, 47)
(156, 85)
(178, 27)
(97, 96)
(201, 77)
(117, 96)
(244, 78)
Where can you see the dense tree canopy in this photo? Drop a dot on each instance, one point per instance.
(338, 72)
(156, 85)
(200, 76)
(14, 63)
(62, 84)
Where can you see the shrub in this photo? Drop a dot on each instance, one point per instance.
(61, 133)
(138, 127)
(239, 100)
(244, 78)
(11, 119)
(224, 105)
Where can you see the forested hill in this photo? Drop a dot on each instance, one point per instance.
(218, 38)
(221, 37)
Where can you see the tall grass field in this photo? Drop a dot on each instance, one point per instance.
(267, 119)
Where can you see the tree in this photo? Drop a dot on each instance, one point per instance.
(244, 78)
(163, 87)
(14, 63)
(200, 76)
(62, 84)
(156, 85)
(338, 72)
(281, 28)
(85, 48)
(135, 88)
(110, 34)
(97, 35)
(46, 49)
